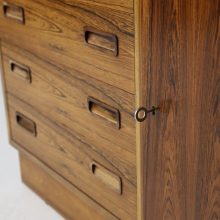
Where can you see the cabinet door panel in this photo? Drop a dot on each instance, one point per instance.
(179, 146)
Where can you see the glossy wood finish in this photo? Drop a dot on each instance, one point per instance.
(48, 80)
(61, 195)
(178, 69)
(55, 31)
(78, 82)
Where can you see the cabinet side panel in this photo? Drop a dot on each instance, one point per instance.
(2, 81)
(178, 69)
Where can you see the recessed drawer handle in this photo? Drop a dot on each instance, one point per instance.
(26, 123)
(102, 41)
(105, 111)
(107, 177)
(20, 70)
(13, 12)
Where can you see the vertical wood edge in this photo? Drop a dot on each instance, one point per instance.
(139, 161)
(142, 12)
(5, 100)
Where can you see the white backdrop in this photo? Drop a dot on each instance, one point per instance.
(17, 202)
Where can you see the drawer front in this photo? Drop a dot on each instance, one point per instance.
(72, 103)
(93, 38)
(72, 203)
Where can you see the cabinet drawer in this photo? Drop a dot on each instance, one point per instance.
(72, 203)
(75, 161)
(62, 97)
(93, 38)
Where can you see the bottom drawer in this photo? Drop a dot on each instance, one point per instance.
(68, 200)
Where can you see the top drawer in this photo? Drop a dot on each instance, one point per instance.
(95, 38)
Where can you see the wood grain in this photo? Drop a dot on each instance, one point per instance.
(178, 69)
(118, 156)
(54, 31)
(64, 72)
(71, 159)
(67, 199)
(64, 96)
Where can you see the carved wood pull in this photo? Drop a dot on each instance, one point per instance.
(13, 12)
(26, 123)
(105, 111)
(102, 41)
(20, 70)
(107, 177)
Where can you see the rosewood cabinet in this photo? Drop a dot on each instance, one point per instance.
(114, 106)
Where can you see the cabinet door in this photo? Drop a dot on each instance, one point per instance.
(178, 69)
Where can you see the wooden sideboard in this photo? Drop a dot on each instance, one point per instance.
(114, 106)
